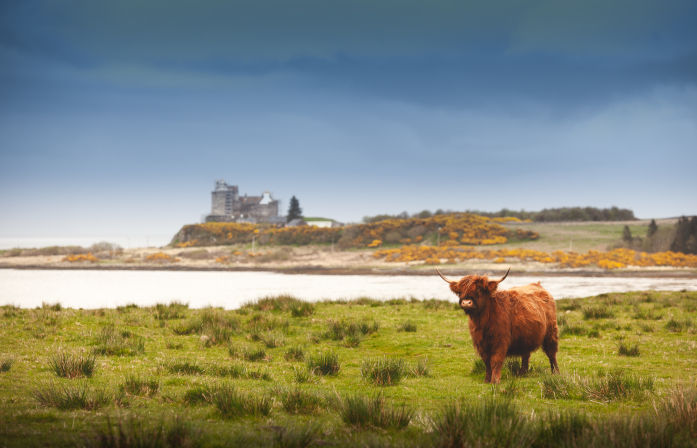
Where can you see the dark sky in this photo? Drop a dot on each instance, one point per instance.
(117, 117)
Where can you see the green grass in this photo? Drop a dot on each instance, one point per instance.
(383, 371)
(318, 389)
(69, 365)
(361, 411)
(140, 386)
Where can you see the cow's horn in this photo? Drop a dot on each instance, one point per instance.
(442, 276)
(505, 275)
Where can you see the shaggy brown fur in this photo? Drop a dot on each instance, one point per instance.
(514, 322)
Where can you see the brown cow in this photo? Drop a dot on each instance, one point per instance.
(515, 322)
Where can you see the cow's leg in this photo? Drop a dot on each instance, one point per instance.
(496, 364)
(524, 361)
(487, 363)
(550, 346)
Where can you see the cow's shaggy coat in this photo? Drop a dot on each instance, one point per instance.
(514, 322)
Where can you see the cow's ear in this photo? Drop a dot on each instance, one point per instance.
(492, 285)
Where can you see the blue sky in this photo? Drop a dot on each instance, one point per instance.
(117, 117)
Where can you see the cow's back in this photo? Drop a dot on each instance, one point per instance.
(533, 315)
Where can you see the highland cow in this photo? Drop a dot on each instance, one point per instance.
(514, 322)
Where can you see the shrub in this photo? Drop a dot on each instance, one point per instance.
(326, 363)
(71, 396)
(135, 385)
(69, 365)
(366, 412)
(297, 401)
(627, 350)
(383, 371)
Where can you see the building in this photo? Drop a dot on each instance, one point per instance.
(228, 206)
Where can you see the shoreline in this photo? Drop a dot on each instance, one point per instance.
(363, 271)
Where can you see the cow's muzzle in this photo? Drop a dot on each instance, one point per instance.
(467, 305)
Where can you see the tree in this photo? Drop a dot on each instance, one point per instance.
(294, 211)
(653, 228)
(627, 234)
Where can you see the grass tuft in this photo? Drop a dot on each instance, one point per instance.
(678, 326)
(597, 312)
(185, 368)
(408, 326)
(71, 396)
(366, 412)
(69, 365)
(478, 367)
(303, 309)
(298, 401)
(139, 432)
(295, 353)
(493, 421)
(273, 339)
(139, 386)
(297, 436)
(420, 368)
(6, 364)
(252, 354)
(325, 363)
(383, 371)
(109, 341)
(216, 325)
(173, 310)
(232, 403)
(628, 350)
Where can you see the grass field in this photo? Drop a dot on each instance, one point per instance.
(579, 236)
(282, 372)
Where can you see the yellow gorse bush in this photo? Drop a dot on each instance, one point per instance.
(614, 259)
(75, 258)
(452, 229)
(161, 257)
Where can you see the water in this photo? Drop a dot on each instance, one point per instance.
(108, 289)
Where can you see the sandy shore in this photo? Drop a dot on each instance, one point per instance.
(316, 260)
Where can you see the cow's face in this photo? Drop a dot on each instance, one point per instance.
(473, 291)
